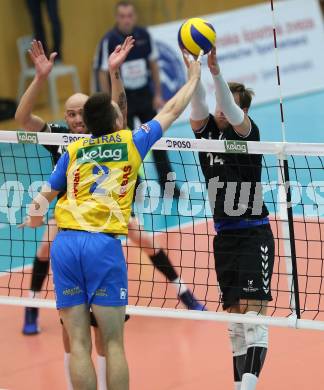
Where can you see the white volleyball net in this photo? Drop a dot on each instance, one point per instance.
(292, 183)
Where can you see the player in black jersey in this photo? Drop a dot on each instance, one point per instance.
(244, 244)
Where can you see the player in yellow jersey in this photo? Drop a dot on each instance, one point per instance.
(74, 124)
(98, 177)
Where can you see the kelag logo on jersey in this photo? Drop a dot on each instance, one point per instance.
(172, 72)
(236, 146)
(26, 137)
(103, 153)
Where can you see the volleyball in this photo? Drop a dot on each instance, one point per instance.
(196, 34)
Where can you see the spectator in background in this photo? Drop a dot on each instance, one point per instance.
(140, 74)
(35, 10)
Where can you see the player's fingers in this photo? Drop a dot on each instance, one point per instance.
(127, 40)
(52, 57)
(35, 48)
(40, 47)
(131, 42)
(186, 59)
(125, 43)
(22, 225)
(128, 49)
(118, 48)
(31, 55)
(32, 48)
(190, 56)
(210, 56)
(201, 53)
(130, 45)
(186, 54)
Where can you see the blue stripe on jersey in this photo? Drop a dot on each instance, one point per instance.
(146, 136)
(239, 224)
(57, 180)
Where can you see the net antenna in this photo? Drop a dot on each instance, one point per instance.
(284, 192)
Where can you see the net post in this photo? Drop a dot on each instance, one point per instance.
(286, 216)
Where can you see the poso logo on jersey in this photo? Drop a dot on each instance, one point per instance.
(103, 153)
(172, 73)
(25, 137)
(236, 147)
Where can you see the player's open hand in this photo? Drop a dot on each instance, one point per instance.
(32, 222)
(43, 65)
(212, 62)
(186, 57)
(119, 55)
(194, 67)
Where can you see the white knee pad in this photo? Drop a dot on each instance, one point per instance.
(237, 337)
(256, 335)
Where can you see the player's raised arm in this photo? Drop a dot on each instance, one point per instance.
(43, 67)
(199, 109)
(115, 60)
(225, 101)
(175, 106)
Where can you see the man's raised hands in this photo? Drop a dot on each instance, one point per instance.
(119, 55)
(43, 65)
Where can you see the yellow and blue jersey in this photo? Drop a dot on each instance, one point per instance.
(98, 176)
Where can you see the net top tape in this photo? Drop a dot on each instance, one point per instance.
(179, 144)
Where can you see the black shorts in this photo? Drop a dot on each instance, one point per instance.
(244, 260)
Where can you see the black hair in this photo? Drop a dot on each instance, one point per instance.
(99, 115)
